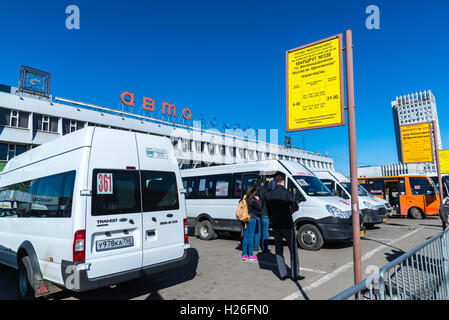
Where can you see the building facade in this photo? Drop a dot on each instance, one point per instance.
(27, 121)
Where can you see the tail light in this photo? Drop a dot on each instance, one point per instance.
(186, 232)
(79, 246)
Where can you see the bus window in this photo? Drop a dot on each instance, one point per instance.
(292, 186)
(189, 185)
(214, 186)
(341, 193)
(330, 185)
(421, 186)
(237, 186)
(249, 180)
(375, 186)
(401, 186)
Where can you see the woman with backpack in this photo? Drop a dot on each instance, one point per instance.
(253, 205)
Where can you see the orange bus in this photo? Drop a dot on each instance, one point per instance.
(415, 196)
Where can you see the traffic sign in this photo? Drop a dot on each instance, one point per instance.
(416, 143)
(444, 161)
(315, 88)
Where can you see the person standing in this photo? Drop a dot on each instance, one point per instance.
(281, 205)
(263, 222)
(248, 237)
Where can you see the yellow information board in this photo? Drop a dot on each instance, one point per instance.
(416, 143)
(444, 161)
(315, 90)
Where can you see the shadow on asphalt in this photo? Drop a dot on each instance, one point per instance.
(267, 261)
(148, 285)
(395, 253)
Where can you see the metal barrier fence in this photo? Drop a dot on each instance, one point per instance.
(420, 274)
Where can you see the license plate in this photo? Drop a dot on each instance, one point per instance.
(117, 243)
(385, 219)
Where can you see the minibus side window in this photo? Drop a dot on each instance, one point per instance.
(330, 185)
(46, 197)
(375, 186)
(214, 187)
(189, 184)
(222, 186)
(159, 191)
(401, 186)
(249, 180)
(421, 186)
(115, 192)
(292, 187)
(341, 193)
(237, 186)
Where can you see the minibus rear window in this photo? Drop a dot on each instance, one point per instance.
(159, 191)
(115, 192)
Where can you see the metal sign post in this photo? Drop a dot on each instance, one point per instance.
(315, 99)
(357, 256)
(437, 158)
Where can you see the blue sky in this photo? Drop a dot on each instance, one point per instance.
(226, 59)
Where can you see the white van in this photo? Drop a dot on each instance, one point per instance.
(91, 209)
(373, 212)
(213, 193)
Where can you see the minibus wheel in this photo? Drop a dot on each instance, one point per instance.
(24, 289)
(206, 231)
(309, 237)
(415, 213)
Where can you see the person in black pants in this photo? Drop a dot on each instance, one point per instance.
(281, 205)
(263, 221)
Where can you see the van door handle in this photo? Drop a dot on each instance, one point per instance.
(151, 233)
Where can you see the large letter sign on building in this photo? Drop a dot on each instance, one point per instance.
(315, 89)
(416, 143)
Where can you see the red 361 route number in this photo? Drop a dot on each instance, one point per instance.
(104, 183)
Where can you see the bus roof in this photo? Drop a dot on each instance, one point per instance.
(262, 166)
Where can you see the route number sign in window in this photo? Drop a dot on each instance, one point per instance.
(104, 183)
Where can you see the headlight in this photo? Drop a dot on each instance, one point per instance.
(387, 205)
(334, 211)
(367, 204)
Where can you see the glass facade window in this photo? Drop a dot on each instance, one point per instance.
(45, 123)
(13, 118)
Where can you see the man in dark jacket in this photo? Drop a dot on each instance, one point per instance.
(262, 230)
(281, 205)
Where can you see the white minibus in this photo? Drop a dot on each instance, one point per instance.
(212, 195)
(92, 209)
(373, 212)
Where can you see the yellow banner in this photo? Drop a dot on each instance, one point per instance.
(314, 86)
(416, 143)
(444, 161)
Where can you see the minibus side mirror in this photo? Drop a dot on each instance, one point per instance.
(182, 191)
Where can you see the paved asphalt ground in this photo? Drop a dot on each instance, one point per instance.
(216, 272)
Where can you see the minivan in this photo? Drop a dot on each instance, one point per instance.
(92, 209)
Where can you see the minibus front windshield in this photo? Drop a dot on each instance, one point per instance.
(312, 186)
(347, 186)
